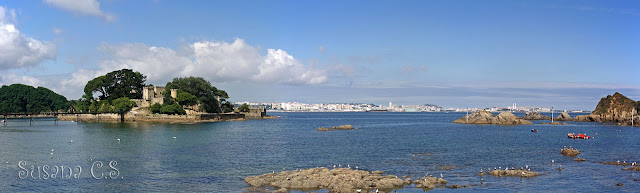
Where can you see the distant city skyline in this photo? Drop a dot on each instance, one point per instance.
(459, 54)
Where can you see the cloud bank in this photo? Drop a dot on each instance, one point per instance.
(215, 61)
(18, 50)
(82, 7)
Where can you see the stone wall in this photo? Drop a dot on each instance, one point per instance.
(133, 117)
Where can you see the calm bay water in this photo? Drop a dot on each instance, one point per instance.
(215, 157)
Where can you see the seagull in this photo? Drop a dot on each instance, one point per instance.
(51, 153)
(499, 168)
(526, 166)
(441, 175)
(523, 173)
(339, 165)
(334, 166)
(359, 190)
(51, 149)
(552, 161)
(349, 166)
(7, 163)
(273, 172)
(376, 190)
(356, 167)
(174, 137)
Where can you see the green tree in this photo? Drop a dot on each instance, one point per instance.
(227, 107)
(20, 98)
(156, 108)
(123, 103)
(175, 108)
(207, 94)
(105, 107)
(243, 108)
(117, 84)
(185, 98)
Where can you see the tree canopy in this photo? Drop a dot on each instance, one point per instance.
(20, 98)
(205, 93)
(117, 84)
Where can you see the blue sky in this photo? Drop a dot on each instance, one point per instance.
(566, 54)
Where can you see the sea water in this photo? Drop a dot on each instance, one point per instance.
(216, 157)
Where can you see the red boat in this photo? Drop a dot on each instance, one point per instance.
(578, 136)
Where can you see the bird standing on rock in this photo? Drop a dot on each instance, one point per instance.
(441, 176)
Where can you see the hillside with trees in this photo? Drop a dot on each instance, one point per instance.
(192, 90)
(20, 98)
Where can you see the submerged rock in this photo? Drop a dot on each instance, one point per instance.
(622, 163)
(517, 173)
(324, 129)
(336, 180)
(486, 117)
(341, 127)
(632, 168)
(579, 159)
(570, 151)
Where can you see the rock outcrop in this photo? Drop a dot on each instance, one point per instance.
(429, 182)
(532, 115)
(517, 173)
(614, 108)
(569, 151)
(486, 117)
(564, 116)
(336, 180)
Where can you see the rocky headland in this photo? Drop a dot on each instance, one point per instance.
(486, 117)
(615, 108)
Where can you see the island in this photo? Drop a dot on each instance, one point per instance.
(486, 117)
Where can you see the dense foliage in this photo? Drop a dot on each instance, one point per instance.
(116, 84)
(243, 108)
(20, 98)
(205, 93)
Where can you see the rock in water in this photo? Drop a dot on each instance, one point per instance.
(324, 129)
(535, 116)
(520, 173)
(569, 152)
(486, 117)
(564, 116)
(336, 180)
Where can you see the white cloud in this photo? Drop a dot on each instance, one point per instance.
(57, 31)
(322, 49)
(82, 7)
(215, 61)
(17, 50)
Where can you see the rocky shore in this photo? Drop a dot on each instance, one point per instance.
(486, 117)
